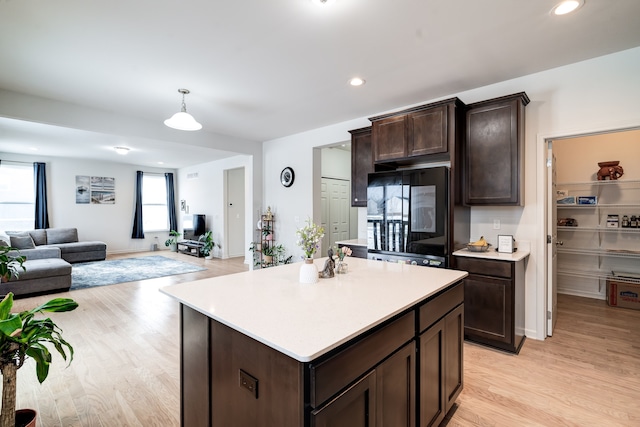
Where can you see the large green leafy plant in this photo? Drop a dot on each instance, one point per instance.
(22, 335)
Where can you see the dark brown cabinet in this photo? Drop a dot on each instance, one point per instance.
(441, 358)
(354, 407)
(427, 130)
(361, 165)
(494, 151)
(494, 302)
(384, 397)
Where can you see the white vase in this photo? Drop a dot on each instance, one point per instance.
(308, 272)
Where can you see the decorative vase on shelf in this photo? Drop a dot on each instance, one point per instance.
(308, 272)
(342, 267)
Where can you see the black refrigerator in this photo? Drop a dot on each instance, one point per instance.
(410, 217)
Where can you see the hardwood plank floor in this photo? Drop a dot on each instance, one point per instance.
(126, 366)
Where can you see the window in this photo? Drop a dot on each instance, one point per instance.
(17, 197)
(154, 203)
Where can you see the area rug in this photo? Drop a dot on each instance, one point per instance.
(101, 273)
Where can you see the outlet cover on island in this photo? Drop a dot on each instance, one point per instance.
(496, 224)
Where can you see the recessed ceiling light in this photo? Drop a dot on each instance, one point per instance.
(121, 150)
(356, 81)
(323, 2)
(566, 6)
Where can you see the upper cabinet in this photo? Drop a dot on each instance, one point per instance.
(361, 165)
(426, 130)
(494, 152)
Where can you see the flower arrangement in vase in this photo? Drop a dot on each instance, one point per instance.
(342, 252)
(309, 238)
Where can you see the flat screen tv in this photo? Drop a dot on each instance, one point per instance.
(193, 226)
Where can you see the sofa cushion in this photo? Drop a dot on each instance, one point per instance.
(39, 236)
(81, 246)
(40, 252)
(22, 242)
(43, 268)
(62, 235)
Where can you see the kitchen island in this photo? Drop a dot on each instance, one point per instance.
(260, 349)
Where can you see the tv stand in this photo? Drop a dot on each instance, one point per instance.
(190, 248)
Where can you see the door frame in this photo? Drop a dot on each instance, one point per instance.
(544, 197)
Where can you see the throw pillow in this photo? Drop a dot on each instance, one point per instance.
(22, 242)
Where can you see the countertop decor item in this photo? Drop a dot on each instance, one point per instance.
(611, 170)
(341, 266)
(478, 248)
(309, 238)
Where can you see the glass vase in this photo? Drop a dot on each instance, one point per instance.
(342, 267)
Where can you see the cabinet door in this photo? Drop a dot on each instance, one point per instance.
(428, 131)
(356, 407)
(361, 165)
(488, 309)
(396, 389)
(389, 138)
(494, 152)
(432, 400)
(453, 355)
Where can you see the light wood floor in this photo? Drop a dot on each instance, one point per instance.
(126, 373)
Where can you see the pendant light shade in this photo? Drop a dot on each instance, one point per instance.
(183, 120)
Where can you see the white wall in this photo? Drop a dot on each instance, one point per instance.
(206, 195)
(597, 94)
(111, 224)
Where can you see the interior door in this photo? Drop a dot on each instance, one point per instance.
(235, 217)
(552, 242)
(336, 203)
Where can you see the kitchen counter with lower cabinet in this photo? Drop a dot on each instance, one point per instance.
(494, 300)
(258, 348)
(358, 247)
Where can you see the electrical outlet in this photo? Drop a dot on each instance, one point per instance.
(249, 383)
(496, 224)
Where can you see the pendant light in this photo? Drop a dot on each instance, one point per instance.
(183, 120)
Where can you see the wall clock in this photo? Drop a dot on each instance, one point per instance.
(287, 176)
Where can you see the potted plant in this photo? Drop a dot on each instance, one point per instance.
(208, 244)
(10, 263)
(268, 251)
(266, 232)
(172, 241)
(22, 336)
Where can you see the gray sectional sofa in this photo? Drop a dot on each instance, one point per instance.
(49, 253)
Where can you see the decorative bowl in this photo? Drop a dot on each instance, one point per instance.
(477, 248)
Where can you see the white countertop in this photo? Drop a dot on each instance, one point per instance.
(353, 242)
(518, 255)
(305, 321)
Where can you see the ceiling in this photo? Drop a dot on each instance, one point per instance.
(259, 70)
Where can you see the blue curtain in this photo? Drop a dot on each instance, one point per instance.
(171, 202)
(138, 231)
(40, 179)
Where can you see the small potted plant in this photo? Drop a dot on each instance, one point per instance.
(268, 251)
(208, 244)
(266, 232)
(172, 241)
